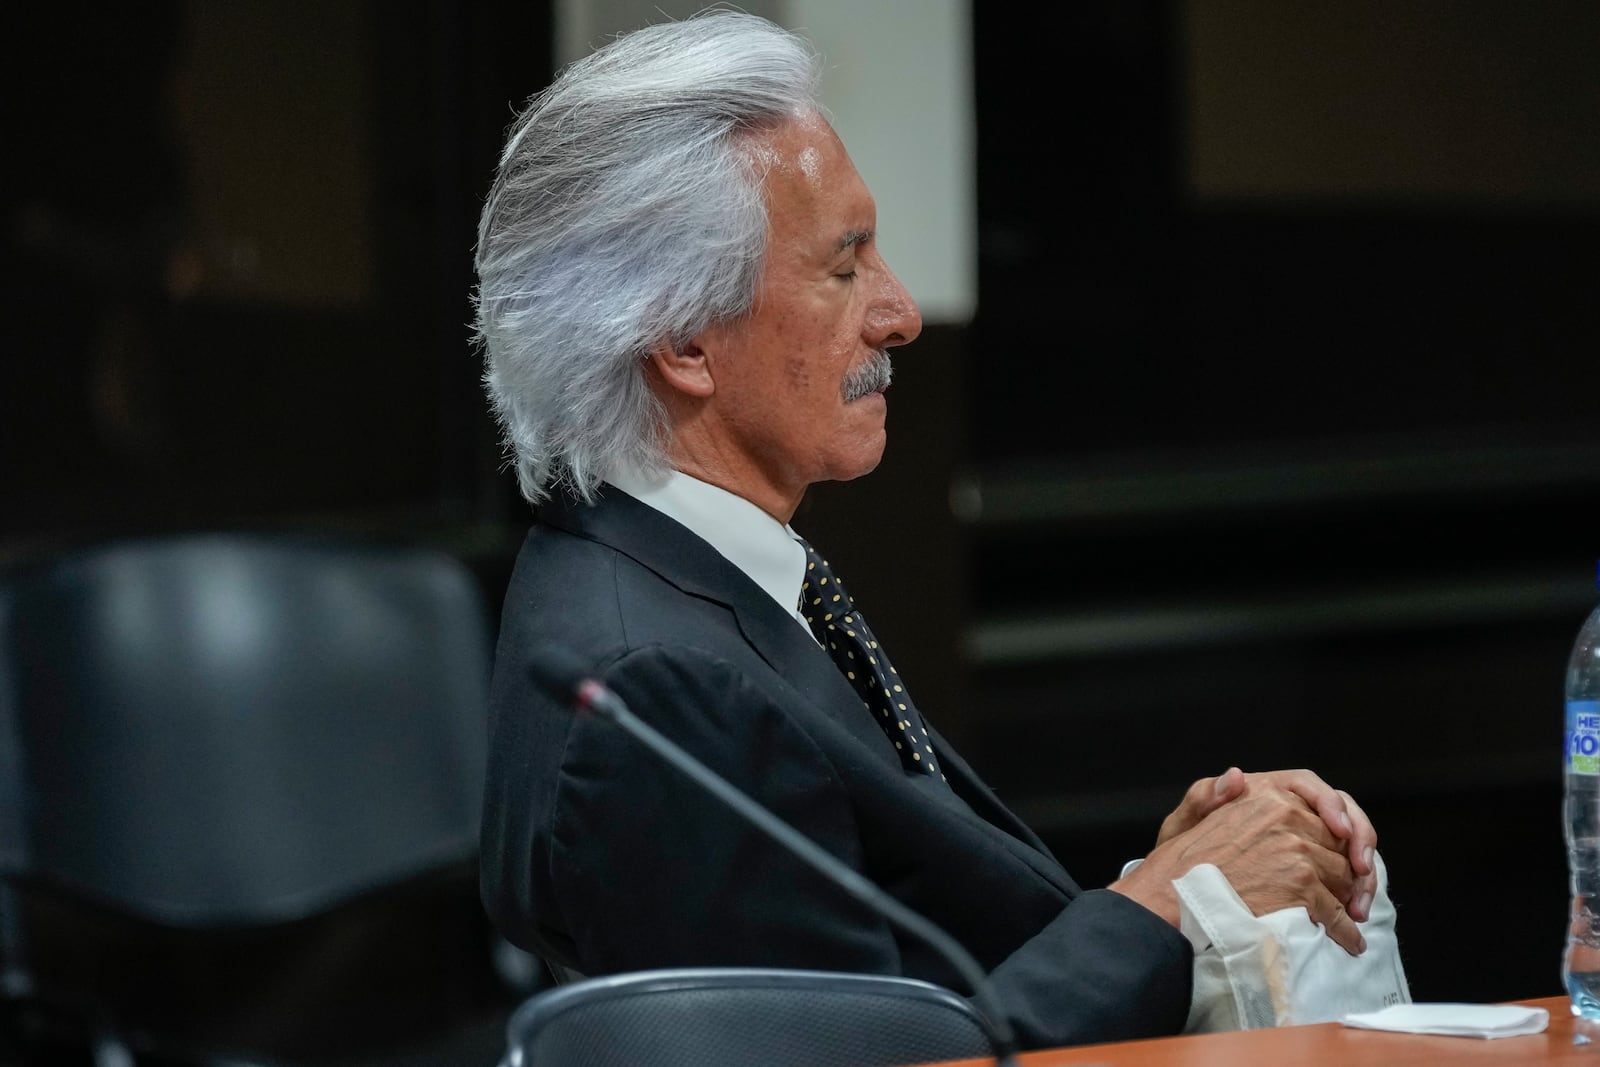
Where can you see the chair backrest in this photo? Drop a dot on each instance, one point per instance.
(710, 1017)
(221, 729)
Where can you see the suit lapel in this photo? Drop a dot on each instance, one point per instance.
(679, 556)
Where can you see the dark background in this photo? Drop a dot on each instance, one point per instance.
(1272, 442)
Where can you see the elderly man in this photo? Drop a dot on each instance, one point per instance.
(688, 322)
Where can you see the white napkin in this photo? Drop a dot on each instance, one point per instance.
(1454, 1020)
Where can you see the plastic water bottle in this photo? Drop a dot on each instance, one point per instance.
(1580, 964)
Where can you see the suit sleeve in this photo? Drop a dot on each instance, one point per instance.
(656, 872)
(1106, 969)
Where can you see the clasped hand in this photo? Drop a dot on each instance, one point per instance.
(1282, 838)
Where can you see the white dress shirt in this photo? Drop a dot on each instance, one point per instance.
(747, 537)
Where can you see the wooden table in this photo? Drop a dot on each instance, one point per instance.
(1332, 1045)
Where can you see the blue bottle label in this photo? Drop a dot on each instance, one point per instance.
(1583, 737)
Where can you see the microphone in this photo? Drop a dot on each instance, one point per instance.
(563, 674)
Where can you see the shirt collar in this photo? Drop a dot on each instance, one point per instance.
(759, 545)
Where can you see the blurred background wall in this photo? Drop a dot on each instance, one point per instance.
(1254, 421)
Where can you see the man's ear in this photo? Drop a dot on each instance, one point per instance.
(683, 367)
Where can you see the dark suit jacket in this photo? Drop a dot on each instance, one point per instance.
(600, 856)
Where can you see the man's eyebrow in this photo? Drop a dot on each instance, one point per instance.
(853, 238)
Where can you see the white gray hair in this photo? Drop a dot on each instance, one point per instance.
(625, 213)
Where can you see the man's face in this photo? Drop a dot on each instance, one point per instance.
(798, 392)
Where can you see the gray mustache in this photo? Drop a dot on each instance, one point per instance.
(870, 377)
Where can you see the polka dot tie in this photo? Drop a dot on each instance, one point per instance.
(843, 633)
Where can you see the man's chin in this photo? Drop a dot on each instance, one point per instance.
(863, 463)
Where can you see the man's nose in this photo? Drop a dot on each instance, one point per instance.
(895, 319)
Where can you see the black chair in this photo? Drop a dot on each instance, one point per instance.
(736, 1017)
(218, 754)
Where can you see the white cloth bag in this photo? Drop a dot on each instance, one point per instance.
(1252, 972)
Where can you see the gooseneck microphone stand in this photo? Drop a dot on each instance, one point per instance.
(563, 674)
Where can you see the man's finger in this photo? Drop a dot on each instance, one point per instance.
(1229, 785)
(1204, 796)
(1340, 926)
(1364, 841)
(1362, 849)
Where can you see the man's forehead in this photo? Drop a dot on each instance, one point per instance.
(804, 149)
(811, 183)
(810, 163)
